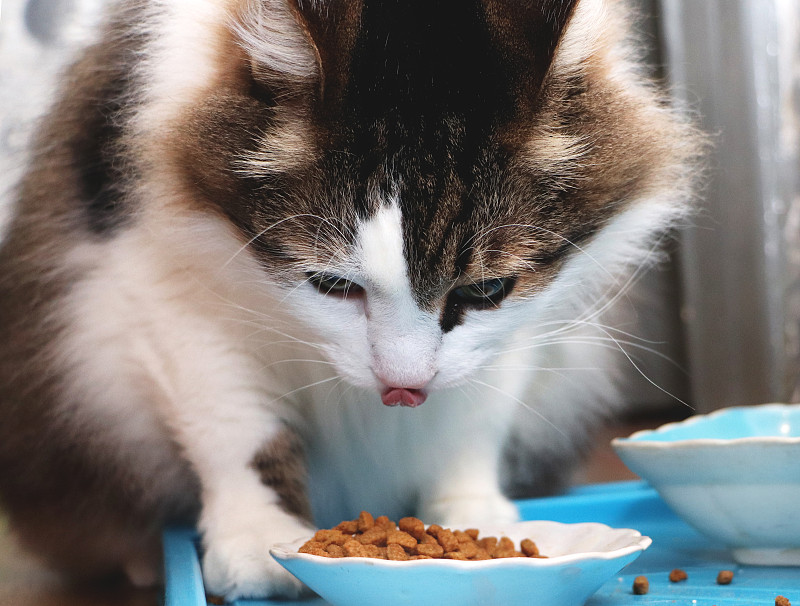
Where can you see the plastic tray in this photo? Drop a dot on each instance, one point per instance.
(625, 504)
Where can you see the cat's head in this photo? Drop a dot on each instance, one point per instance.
(422, 177)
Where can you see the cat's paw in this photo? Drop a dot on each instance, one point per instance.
(238, 564)
(469, 510)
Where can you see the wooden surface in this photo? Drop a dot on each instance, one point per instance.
(23, 582)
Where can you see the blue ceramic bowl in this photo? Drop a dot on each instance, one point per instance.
(582, 558)
(733, 474)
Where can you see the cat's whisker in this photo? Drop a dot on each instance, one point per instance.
(558, 372)
(620, 291)
(612, 343)
(616, 330)
(227, 303)
(639, 343)
(247, 244)
(522, 260)
(298, 286)
(293, 339)
(298, 361)
(524, 405)
(263, 322)
(608, 301)
(344, 393)
(487, 231)
(260, 328)
(573, 325)
(522, 367)
(463, 389)
(334, 249)
(323, 221)
(248, 315)
(600, 342)
(648, 379)
(330, 267)
(304, 387)
(564, 327)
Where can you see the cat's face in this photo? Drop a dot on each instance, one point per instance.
(418, 178)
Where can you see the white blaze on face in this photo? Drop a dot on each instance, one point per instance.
(403, 338)
(381, 245)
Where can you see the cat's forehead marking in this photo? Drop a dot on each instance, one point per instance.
(380, 242)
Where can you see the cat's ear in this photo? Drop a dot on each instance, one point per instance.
(299, 45)
(537, 37)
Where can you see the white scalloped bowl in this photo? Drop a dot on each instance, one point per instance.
(733, 474)
(582, 558)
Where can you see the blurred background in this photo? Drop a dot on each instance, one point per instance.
(734, 287)
(717, 325)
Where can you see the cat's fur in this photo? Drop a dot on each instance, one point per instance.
(165, 352)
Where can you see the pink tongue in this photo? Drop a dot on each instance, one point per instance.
(405, 397)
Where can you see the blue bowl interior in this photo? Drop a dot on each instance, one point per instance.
(732, 423)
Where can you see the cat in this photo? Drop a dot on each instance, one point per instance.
(277, 261)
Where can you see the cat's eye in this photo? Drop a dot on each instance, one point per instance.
(487, 292)
(329, 284)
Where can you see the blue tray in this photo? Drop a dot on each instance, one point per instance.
(624, 504)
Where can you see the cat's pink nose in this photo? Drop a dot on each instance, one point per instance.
(393, 396)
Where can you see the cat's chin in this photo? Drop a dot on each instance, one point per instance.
(400, 396)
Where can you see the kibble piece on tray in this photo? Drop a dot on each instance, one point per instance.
(725, 577)
(409, 539)
(677, 575)
(641, 585)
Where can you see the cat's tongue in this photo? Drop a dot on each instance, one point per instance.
(393, 396)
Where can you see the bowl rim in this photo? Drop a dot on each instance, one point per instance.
(636, 439)
(638, 542)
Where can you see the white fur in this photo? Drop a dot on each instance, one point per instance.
(287, 146)
(583, 34)
(380, 244)
(272, 37)
(182, 58)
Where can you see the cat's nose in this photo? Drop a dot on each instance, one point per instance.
(403, 396)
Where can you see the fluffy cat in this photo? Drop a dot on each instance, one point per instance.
(283, 260)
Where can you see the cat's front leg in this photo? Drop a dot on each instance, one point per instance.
(236, 541)
(253, 497)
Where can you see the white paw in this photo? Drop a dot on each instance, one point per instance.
(470, 510)
(237, 563)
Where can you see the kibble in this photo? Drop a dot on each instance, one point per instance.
(678, 575)
(529, 548)
(641, 585)
(725, 577)
(369, 537)
(782, 601)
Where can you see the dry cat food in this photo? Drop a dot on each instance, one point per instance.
(641, 585)
(368, 537)
(678, 575)
(782, 601)
(725, 577)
